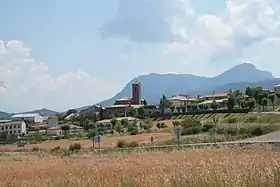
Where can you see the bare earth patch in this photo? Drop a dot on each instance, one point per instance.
(105, 142)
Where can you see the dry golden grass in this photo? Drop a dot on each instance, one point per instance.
(193, 167)
(105, 142)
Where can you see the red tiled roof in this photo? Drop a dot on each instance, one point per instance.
(225, 94)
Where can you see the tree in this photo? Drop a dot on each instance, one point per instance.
(214, 105)
(164, 103)
(118, 127)
(65, 128)
(178, 109)
(125, 123)
(101, 117)
(238, 95)
(264, 103)
(189, 107)
(145, 102)
(184, 109)
(141, 111)
(251, 102)
(172, 108)
(272, 98)
(71, 111)
(114, 122)
(231, 102)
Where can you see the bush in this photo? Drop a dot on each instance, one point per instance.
(35, 149)
(147, 126)
(56, 148)
(121, 144)
(75, 147)
(207, 126)
(191, 123)
(91, 133)
(134, 131)
(251, 119)
(232, 120)
(132, 144)
(176, 123)
(191, 130)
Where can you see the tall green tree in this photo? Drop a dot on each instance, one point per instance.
(141, 111)
(164, 104)
(264, 103)
(231, 102)
(251, 103)
(65, 128)
(114, 122)
(272, 97)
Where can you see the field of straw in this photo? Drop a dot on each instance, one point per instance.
(254, 166)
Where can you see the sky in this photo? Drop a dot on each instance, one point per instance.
(66, 54)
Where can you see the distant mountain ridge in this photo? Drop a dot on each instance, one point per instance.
(154, 85)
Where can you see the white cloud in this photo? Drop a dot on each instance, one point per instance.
(30, 84)
(225, 38)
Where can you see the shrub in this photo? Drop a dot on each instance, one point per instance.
(121, 144)
(35, 149)
(91, 133)
(176, 123)
(56, 148)
(147, 126)
(132, 144)
(207, 126)
(191, 130)
(256, 131)
(191, 123)
(134, 131)
(251, 119)
(232, 120)
(75, 147)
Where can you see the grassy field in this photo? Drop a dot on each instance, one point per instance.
(254, 166)
(243, 118)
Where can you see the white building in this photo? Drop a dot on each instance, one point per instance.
(12, 128)
(56, 130)
(52, 121)
(33, 118)
(277, 89)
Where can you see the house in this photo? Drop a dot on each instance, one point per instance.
(52, 121)
(108, 124)
(222, 103)
(277, 89)
(57, 131)
(183, 100)
(214, 96)
(32, 118)
(119, 110)
(12, 128)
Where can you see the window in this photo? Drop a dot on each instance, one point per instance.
(2, 128)
(15, 126)
(15, 131)
(18, 126)
(11, 127)
(6, 127)
(18, 131)
(11, 132)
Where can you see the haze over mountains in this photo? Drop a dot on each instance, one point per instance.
(154, 85)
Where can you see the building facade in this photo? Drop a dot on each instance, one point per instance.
(277, 89)
(12, 128)
(181, 100)
(32, 118)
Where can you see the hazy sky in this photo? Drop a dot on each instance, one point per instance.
(64, 54)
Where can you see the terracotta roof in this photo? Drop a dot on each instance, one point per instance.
(183, 98)
(225, 94)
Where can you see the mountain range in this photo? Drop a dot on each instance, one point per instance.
(155, 85)
(238, 77)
